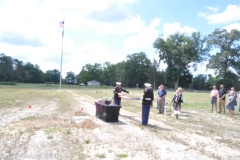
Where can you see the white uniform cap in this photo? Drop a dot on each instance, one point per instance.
(118, 83)
(147, 84)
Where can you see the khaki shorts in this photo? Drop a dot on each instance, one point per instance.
(214, 100)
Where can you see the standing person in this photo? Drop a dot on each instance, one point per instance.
(213, 96)
(146, 103)
(118, 89)
(177, 100)
(221, 99)
(161, 99)
(230, 105)
(157, 97)
(151, 89)
(180, 97)
(235, 97)
(238, 102)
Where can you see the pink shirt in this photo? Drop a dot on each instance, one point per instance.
(214, 93)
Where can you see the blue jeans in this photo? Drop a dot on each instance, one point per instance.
(145, 114)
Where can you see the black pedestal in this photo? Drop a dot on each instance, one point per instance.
(109, 113)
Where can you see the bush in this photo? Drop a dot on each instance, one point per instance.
(8, 83)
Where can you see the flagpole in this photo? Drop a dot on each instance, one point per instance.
(60, 85)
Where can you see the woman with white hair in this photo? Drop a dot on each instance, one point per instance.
(146, 103)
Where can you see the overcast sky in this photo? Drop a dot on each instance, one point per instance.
(97, 31)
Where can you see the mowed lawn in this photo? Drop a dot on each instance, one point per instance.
(26, 93)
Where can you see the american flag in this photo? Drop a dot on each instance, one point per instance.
(61, 24)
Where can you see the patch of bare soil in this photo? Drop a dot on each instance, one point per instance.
(87, 124)
(41, 123)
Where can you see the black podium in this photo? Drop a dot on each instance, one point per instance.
(107, 112)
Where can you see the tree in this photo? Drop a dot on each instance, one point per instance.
(154, 71)
(181, 52)
(18, 70)
(137, 69)
(213, 81)
(70, 78)
(200, 82)
(108, 73)
(6, 68)
(52, 76)
(185, 79)
(32, 73)
(161, 79)
(227, 56)
(90, 72)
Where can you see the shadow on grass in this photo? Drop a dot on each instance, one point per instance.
(156, 127)
(114, 121)
(118, 123)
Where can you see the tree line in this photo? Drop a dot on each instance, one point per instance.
(180, 51)
(14, 70)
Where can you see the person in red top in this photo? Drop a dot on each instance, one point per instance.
(213, 95)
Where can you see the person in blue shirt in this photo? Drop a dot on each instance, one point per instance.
(161, 98)
(157, 98)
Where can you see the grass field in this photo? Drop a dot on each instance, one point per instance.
(25, 110)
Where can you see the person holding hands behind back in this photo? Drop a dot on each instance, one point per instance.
(146, 103)
(221, 96)
(161, 98)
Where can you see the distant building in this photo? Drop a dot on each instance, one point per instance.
(93, 83)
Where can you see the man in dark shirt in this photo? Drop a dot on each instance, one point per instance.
(146, 103)
(118, 89)
(221, 99)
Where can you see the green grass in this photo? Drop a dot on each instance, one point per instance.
(49, 130)
(100, 155)
(87, 141)
(122, 155)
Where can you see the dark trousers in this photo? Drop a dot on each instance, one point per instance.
(176, 105)
(145, 114)
(117, 101)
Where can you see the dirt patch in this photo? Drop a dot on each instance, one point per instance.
(32, 123)
(87, 124)
(40, 123)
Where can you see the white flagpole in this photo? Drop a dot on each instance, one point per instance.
(60, 84)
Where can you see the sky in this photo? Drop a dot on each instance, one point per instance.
(99, 31)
